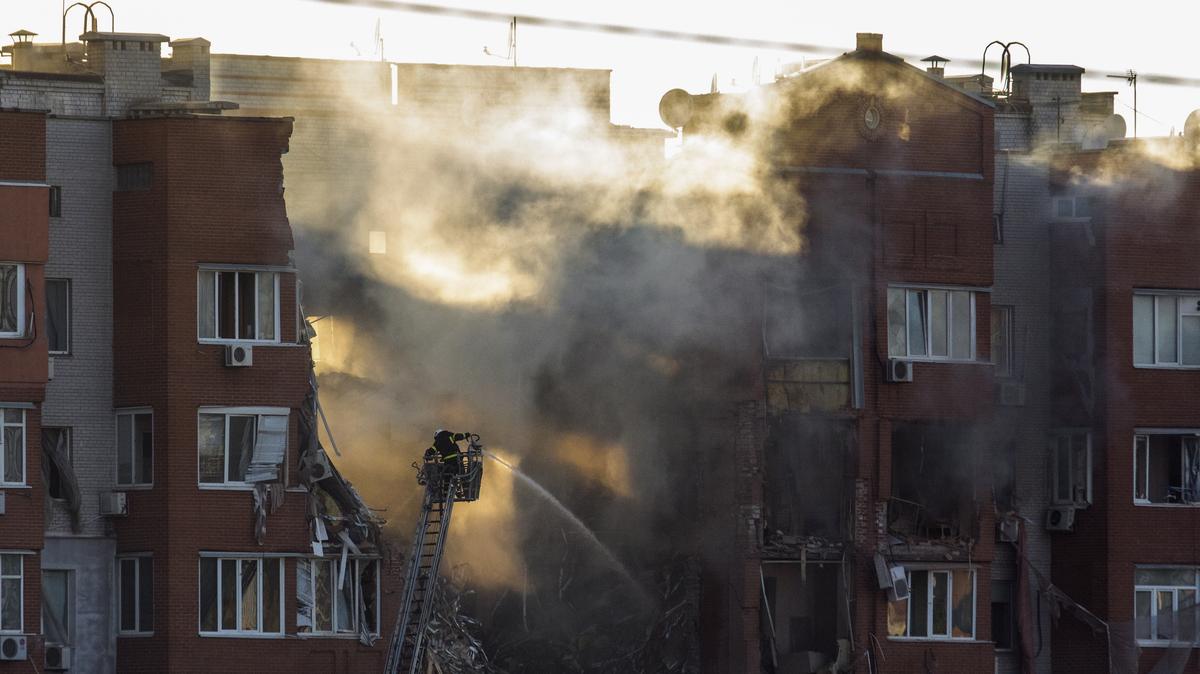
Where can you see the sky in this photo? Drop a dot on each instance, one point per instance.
(1100, 36)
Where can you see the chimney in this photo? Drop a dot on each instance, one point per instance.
(22, 50)
(869, 41)
(193, 54)
(937, 65)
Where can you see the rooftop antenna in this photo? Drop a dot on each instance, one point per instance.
(1005, 61)
(1130, 78)
(378, 40)
(88, 12)
(511, 55)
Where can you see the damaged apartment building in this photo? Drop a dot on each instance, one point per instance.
(975, 424)
(164, 498)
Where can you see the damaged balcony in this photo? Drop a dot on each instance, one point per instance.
(933, 511)
(806, 625)
(808, 464)
(807, 340)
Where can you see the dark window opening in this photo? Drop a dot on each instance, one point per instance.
(131, 177)
(933, 482)
(55, 201)
(58, 316)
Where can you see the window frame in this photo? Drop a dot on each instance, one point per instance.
(929, 588)
(1057, 437)
(70, 613)
(1153, 590)
(68, 311)
(70, 432)
(259, 578)
(19, 333)
(1143, 471)
(927, 357)
(276, 272)
(24, 425)
(352, 572)
(134, 412)
(21, 602)
(227, 412)
(136, 558)
(54, 207)
(1155, 297)
(1074, 216)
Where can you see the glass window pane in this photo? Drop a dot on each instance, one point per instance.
(13, 441)
(206, 304)
(1143, 329)
(10, 603)
(266, 306)
(226, 305)
(10, 565)
(246, 293)
(1141, 614)
(125, 449)
(57, 315)
(128, 595)
(241, 446)
(1165, 576)
(211, 440)
(918, 617)
(271, 594)
(345, 600)
(143, 438)
(1168, 314)
(960, 326)
(939, 594)
(249, 595)
(897, 331)
(9, 311)
(897, 618)
(939, 323)
(1186, 615)
(322, 579)
(916, 322)
(1064, 207)
(963, 603)
(1141, 453)
(1165, 615)
(145, 594)
(56, 607)
(208, 594)
(229, 594)
(1189, 328)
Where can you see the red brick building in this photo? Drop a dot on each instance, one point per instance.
(861, 451)
(24, 247)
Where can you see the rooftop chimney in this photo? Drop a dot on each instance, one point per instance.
(869, 41)
(937, 65)
(22, 49)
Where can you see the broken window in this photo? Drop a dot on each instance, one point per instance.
(241, 595)
(60, 438)
(1164, 605)
(1004, 615)
(337, 595)
(241, 445)
(1166, 468)
(805, 610)
(933, 482)
(1002, 340)
(941, 605)
(135, 448)
(12, 446)
(1166, 329)
(57, 599)
(12, 606)
(807, 323)
(1071, 473)
(931, 324)
(238, 305)
(12, 300)
(135, 587)
(58, 316)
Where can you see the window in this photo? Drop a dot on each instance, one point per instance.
(238, 305)
(1004, 615)
(329, 604)
(58, 315)
(1002, 341)
(931, 324)
(135, 587)
(941, 605)
(58, 442)
(12, 590)
(58, 597)
(239, 446)
(135, 448)
(1072, 469)
(241, 595)
(1164, 605)
(132, 177)
(12, 299)
(55, 201)
(1166, 329)
(12, 446)
(1166, 468)
(1072, 208)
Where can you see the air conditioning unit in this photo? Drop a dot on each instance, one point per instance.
(314, 465)
(899, 589)
(899, 370)
(13, 648)
(1011, 393)
(58, 658)
(239, 355)
(114, 504)
(1060, 518)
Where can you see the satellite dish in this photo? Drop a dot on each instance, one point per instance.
(1114, 127)
(675, 108)
(1191, 128)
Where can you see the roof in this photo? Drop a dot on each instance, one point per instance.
(96, 36)
(935, 57)
(868, 55)
(22, 33)
(1045, 68)
(198, 41)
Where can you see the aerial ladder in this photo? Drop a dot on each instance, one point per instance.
(443, 488)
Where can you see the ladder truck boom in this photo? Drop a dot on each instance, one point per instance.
(446, 482)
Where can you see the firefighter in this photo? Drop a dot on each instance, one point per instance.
(445, 443)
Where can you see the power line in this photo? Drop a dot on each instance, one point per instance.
(683, 36)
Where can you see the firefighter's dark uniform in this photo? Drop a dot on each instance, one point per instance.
(445, 443)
